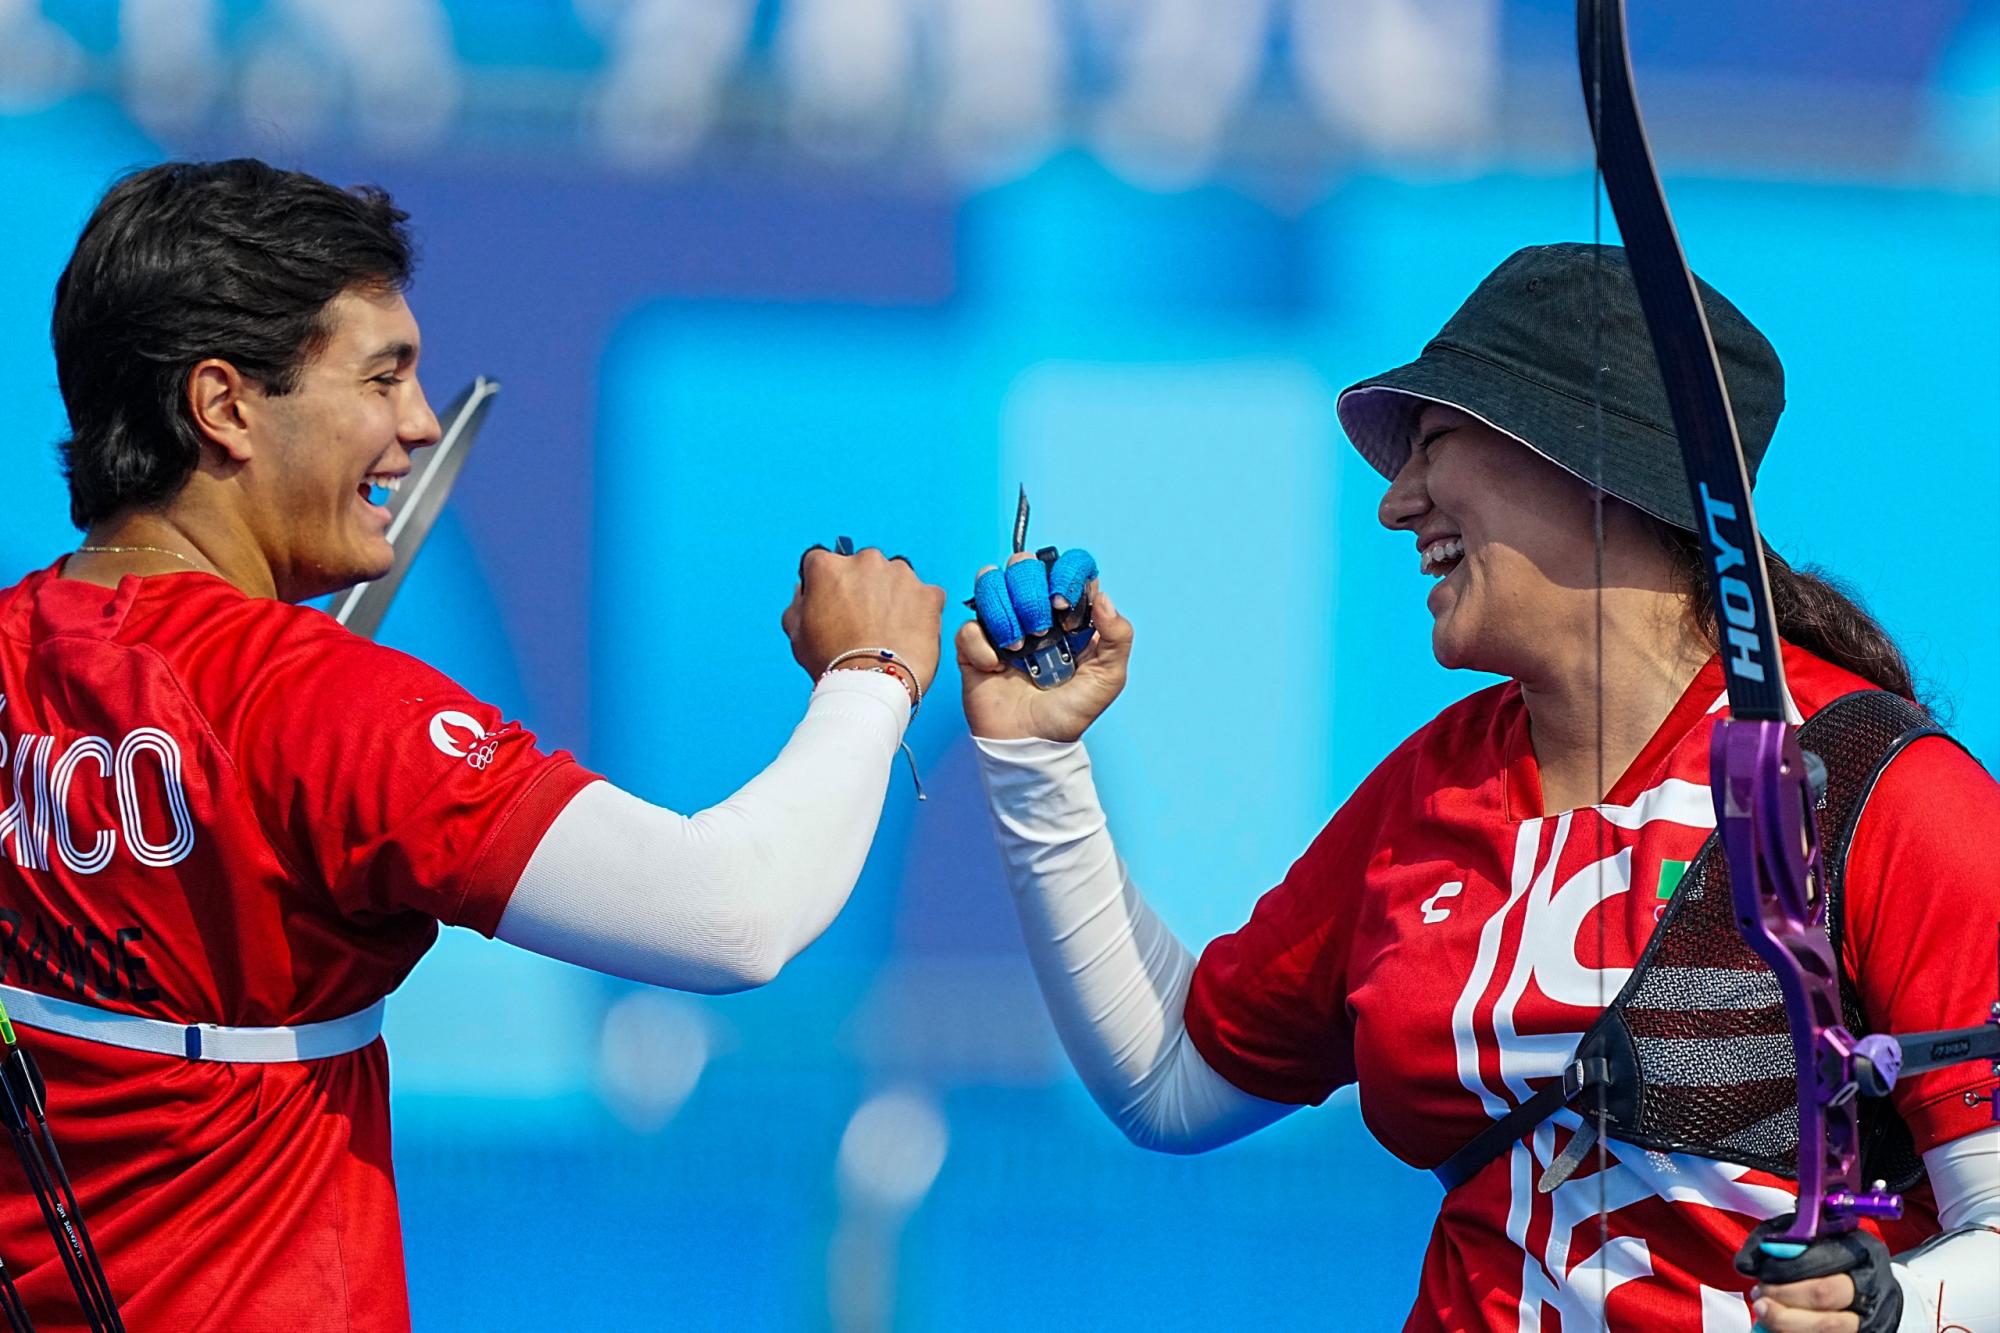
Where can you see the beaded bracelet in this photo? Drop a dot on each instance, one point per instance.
(890, 664)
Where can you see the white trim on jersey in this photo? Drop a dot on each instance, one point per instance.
(195, 1041)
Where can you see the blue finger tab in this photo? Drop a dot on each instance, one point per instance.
(1782, 1249)
(1074, 569)
(996, 609)
(1028, 586)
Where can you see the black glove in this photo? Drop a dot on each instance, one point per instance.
(1863, 1257)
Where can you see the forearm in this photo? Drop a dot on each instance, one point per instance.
(721, 900)
(1113, 975)
(1953, 1282)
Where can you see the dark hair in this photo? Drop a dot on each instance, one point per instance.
(1814, 612)
(186, 261)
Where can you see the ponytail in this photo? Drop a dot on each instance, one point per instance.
(1814, 612)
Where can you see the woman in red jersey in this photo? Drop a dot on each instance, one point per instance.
(229, 828)
(1450, 935)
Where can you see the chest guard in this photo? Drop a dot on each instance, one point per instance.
(1694, 1055)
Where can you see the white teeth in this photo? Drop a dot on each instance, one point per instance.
(389, 484)
(1437, 553)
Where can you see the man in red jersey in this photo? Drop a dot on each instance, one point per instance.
(229, 828)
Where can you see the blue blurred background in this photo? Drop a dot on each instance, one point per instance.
(757, 272)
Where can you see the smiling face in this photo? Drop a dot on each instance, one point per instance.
(1507, 537)
(323, 454)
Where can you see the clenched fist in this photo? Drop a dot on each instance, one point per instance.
(1003, 704)
(844, 602)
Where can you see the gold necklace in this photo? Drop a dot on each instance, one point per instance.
(138, 550)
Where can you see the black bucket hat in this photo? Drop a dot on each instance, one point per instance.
(1517, 355)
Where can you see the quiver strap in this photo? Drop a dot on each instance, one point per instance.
(1694, 1055)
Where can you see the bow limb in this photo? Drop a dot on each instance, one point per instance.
(1763, 794)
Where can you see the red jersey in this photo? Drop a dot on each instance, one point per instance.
(224, 809)
(1439, 945)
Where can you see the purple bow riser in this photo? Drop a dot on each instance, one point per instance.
(1764, 810)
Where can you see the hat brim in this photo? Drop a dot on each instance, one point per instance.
(1622, 457)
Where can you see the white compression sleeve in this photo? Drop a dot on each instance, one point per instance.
(720, 900)
(1114, 977)
(1953, 1282)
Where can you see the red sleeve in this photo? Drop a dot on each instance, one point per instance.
(390, 786)
(1922, 915)
(1268, 1005)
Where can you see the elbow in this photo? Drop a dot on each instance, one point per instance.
(1150, 1121)
(1152, 1137)
(1184, 1147)
(1166, 1115)
(745, 939)
(749, 952)
(751, 973)
(720, 977)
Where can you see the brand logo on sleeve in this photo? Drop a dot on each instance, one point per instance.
(456, 733)
(460, 736)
